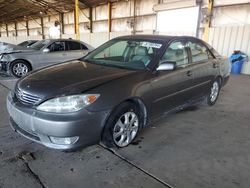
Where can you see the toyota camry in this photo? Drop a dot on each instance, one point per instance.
(115, 91)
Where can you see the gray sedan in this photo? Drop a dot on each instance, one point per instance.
(114, 92)
(43, 53)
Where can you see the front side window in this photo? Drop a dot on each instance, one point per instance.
(125, 53)
(57, 46)
(177, 53)
(199, 52)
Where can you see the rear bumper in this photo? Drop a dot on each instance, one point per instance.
(40, 127)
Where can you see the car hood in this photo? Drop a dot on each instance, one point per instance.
(6, 48)
(72, 77)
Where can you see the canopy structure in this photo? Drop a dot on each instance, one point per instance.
(15, 10)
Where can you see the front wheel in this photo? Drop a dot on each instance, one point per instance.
(214, 93)
(19, 68)
(123, 126)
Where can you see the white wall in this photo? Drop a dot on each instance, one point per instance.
(178, 22)
(231, 16)
(227, 39)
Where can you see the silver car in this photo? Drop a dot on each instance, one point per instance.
(42, 53)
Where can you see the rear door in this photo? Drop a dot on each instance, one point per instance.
(75, 50)
(172, 88)
(204, 66)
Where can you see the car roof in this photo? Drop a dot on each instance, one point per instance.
(53, 40)
(162, 38)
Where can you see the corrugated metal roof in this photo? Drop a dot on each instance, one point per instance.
(14, 10)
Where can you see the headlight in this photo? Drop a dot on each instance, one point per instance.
(66, 104)
(5, 57)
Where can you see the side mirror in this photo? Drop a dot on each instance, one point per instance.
(46, 50)
(166, 66)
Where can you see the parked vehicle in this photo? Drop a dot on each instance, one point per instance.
(27, 43)
(115, 91)
(42, 53)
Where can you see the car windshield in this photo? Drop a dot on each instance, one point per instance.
(128, 54)
(25, 43)
(40, 44)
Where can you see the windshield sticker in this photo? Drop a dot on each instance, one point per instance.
(151, 45)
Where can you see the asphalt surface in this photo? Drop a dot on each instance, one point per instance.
(198, 147)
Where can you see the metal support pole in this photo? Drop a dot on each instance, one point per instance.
(42, 27)
(7, 31)
(27, 28)
(77, 32)
(109, 16)
(16, 29)
(91, 19)
(61, 17)
(134, 18)
(208, 20)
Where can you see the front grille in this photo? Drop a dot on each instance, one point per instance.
(27, 98)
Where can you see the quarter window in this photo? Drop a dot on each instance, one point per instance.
(84, 47)
(199, 52)
(176, 52)
(73, 45)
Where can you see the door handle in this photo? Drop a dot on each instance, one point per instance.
(189, 73)
(215, 65)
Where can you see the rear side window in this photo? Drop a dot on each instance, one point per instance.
(72, 45)
(199, 52)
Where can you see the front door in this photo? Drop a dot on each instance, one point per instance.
(172, 88)
(56, 54)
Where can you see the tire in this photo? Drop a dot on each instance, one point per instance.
(117, 132)
(19, 68)
(214, 92)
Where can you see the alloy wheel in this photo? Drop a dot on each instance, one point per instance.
(125, 129)
(20, 69)
(214, 91)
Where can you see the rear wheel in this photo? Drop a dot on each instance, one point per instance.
(19, 68)
(123, 126)
(214, 93)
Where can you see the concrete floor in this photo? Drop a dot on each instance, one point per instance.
(199, 147)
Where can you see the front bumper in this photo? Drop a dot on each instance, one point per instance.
(40, 126)
(4, 66)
